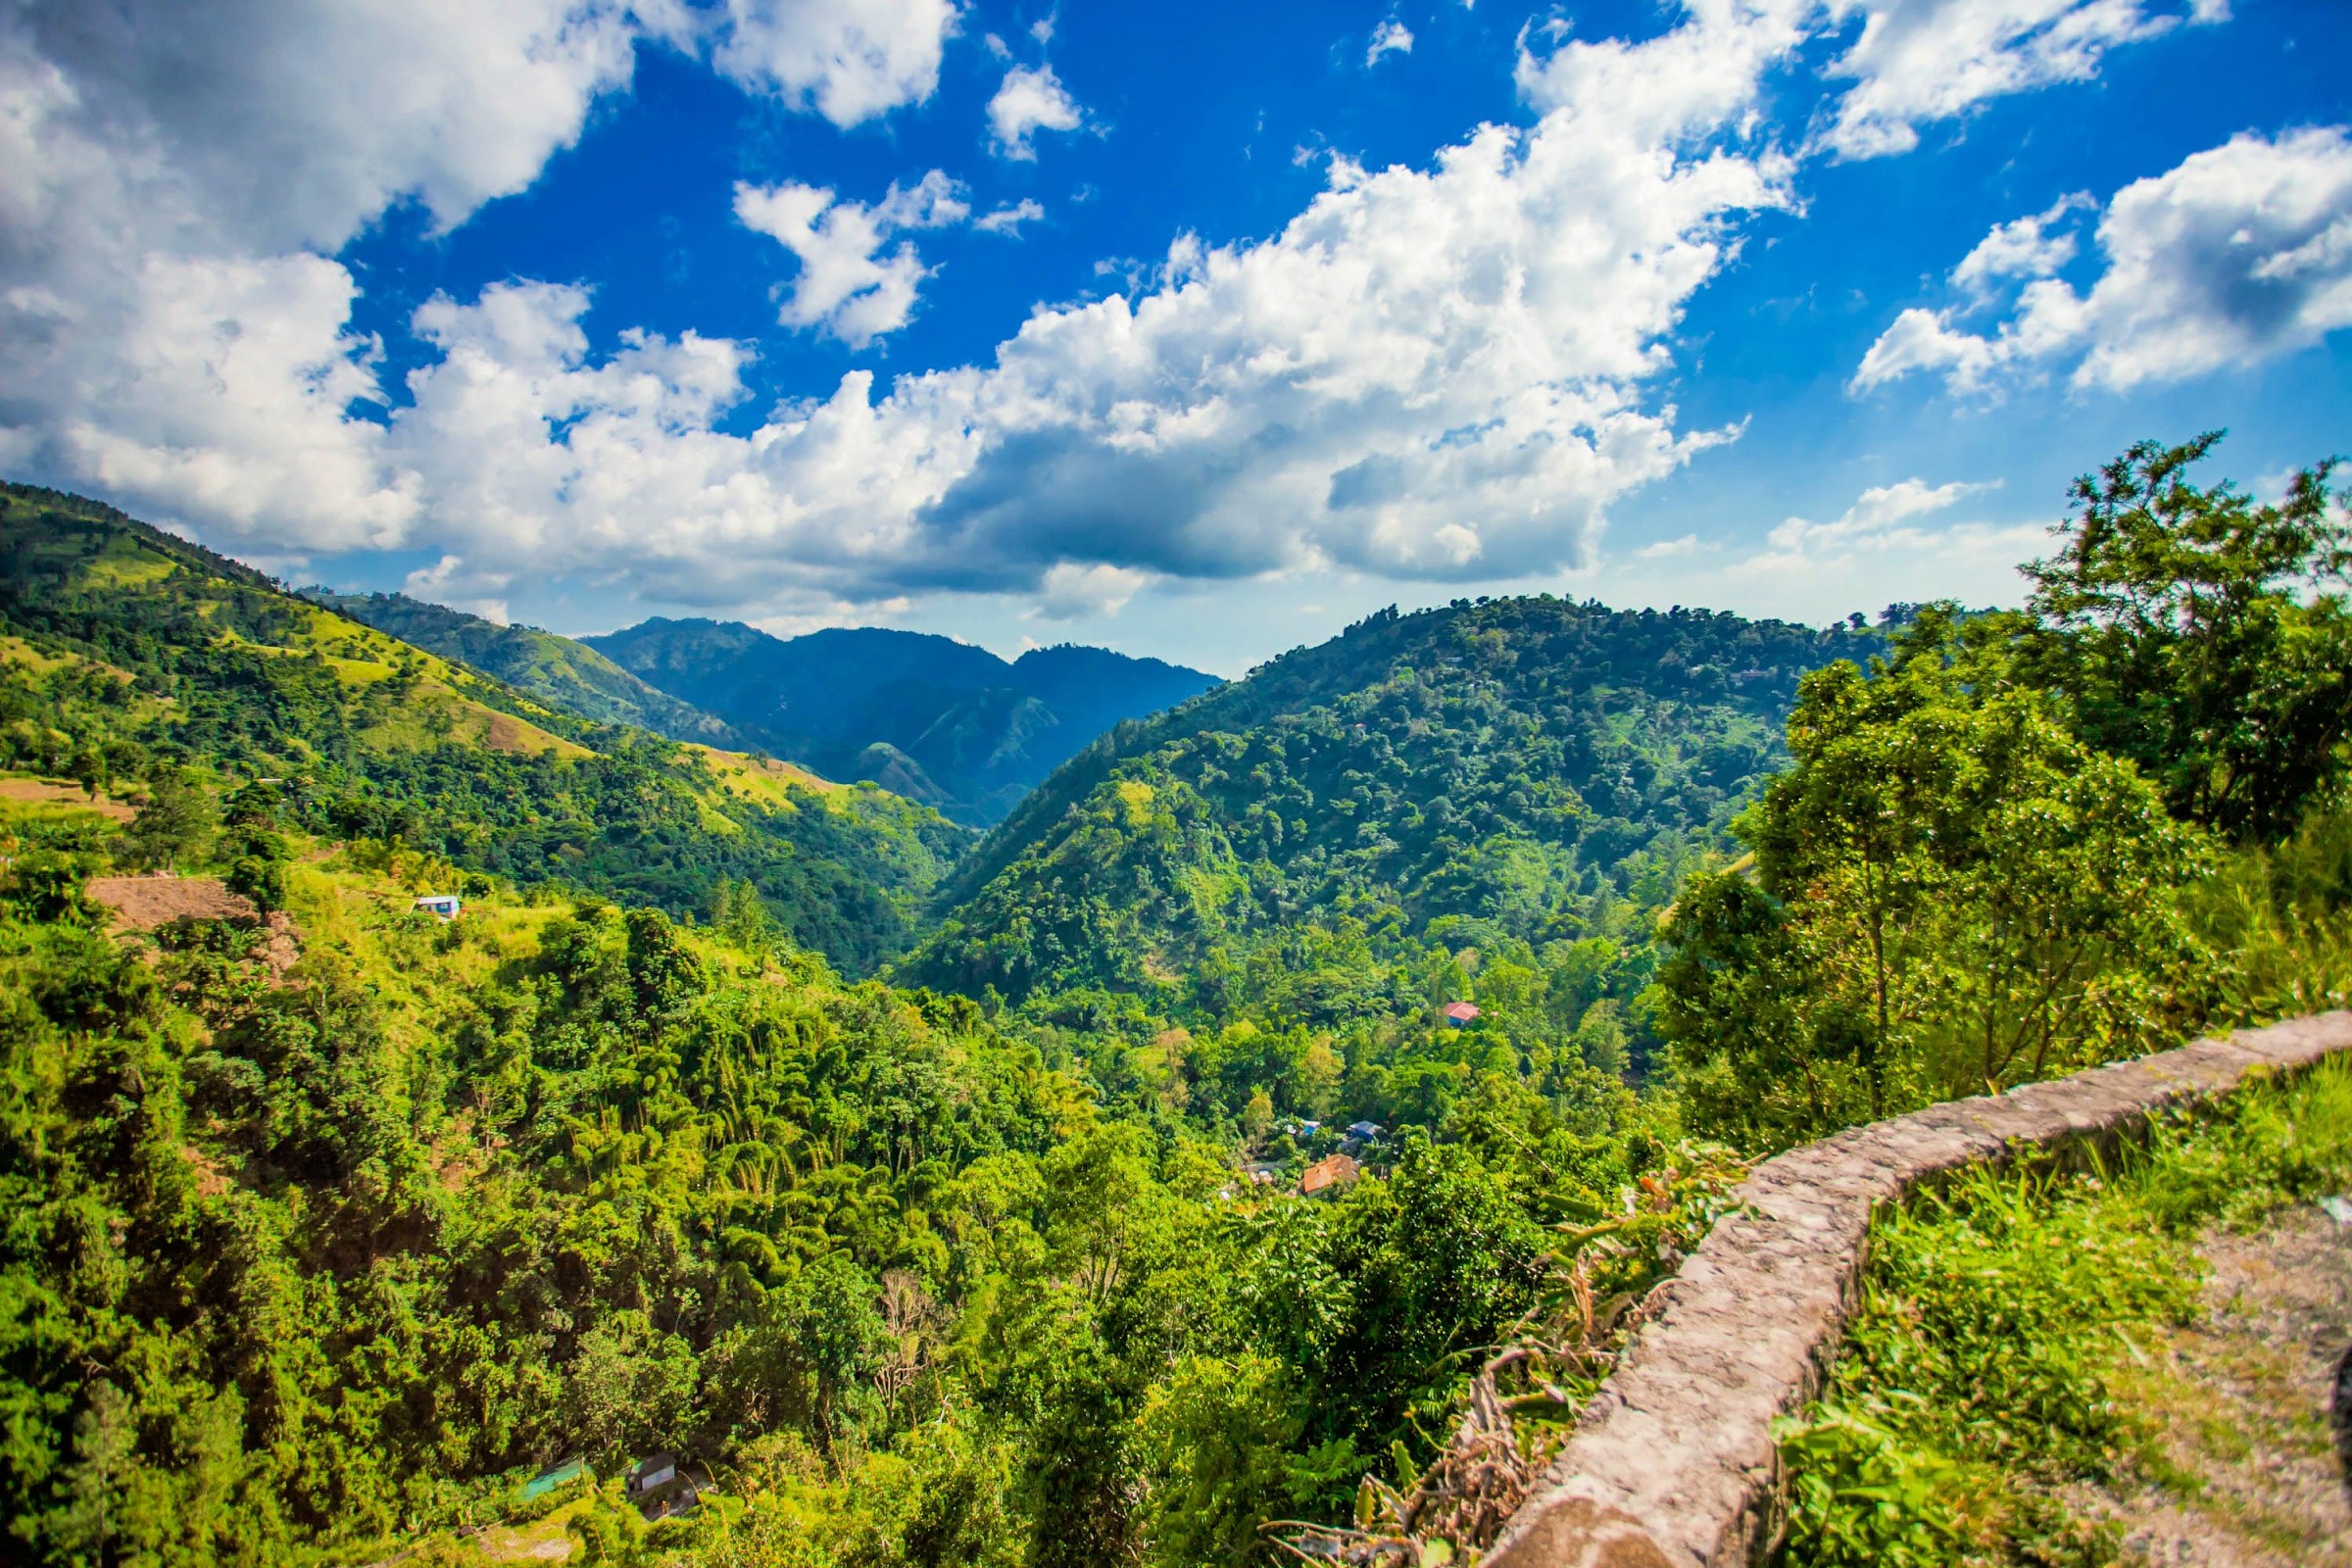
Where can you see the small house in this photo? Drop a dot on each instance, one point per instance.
(1332, 1173)
(445, 906)
(1363, 1132)
(660, 1490)
(1459, 1015)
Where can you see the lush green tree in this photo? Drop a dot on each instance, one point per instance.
(2205, 636)
(175, 823)
(1951, 893)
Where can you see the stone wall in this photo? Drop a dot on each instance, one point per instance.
(1673, 1464)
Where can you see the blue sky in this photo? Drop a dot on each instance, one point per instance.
(1193, 330)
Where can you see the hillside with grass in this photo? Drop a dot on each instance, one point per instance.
(132, 655)
(567, 675)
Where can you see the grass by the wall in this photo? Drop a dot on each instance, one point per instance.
(2001, 1321)
(2281, 920)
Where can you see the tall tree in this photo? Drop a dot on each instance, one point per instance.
(2205, 636)
(1951, 894)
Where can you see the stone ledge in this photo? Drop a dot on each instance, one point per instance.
(1673, 1465)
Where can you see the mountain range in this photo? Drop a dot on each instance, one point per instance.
(126, 652)
(940, 721)
(924, 716)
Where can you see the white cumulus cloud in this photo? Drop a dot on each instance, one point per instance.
(1030, 99)
(1071, 592)
(2023, 247)
(849, 59)
(1008, 219)
(1433, 372)
(2240, 253)
(846, 283)
(177, 179)
(1449, 371)
(170, 331)
(1920, 60)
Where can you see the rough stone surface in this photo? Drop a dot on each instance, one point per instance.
(1673, 1464)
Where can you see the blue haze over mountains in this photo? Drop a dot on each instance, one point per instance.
(926, 717)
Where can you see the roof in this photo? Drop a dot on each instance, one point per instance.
(1464, 1010)
(547, 1479)
(1364, 1129)
(1333, 1170)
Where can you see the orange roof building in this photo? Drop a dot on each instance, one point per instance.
(1329, 1174)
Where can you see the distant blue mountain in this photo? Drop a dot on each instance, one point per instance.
(925, 715)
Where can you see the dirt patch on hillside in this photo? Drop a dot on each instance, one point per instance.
(2242, 1469)
(143, 903)
(34, 789)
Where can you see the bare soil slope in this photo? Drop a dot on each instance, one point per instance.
(143, 903)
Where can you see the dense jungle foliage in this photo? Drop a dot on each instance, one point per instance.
(136, 654)
(332, 1226)
(304, 1262)
(1498, 798)
(2031, 841)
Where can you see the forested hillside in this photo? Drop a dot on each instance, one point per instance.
(329, 1232)
(927, 716)
(1522, 773)
(1339, 1056)
(567, 675)
(136, 655)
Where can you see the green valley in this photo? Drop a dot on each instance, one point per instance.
(1257, 1144)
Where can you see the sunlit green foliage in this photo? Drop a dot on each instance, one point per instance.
(1951, 894)
(1525, 764)
(2205, 637)
(154, 655)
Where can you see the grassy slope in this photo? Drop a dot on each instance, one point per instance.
(249, 680)
(556, 670)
